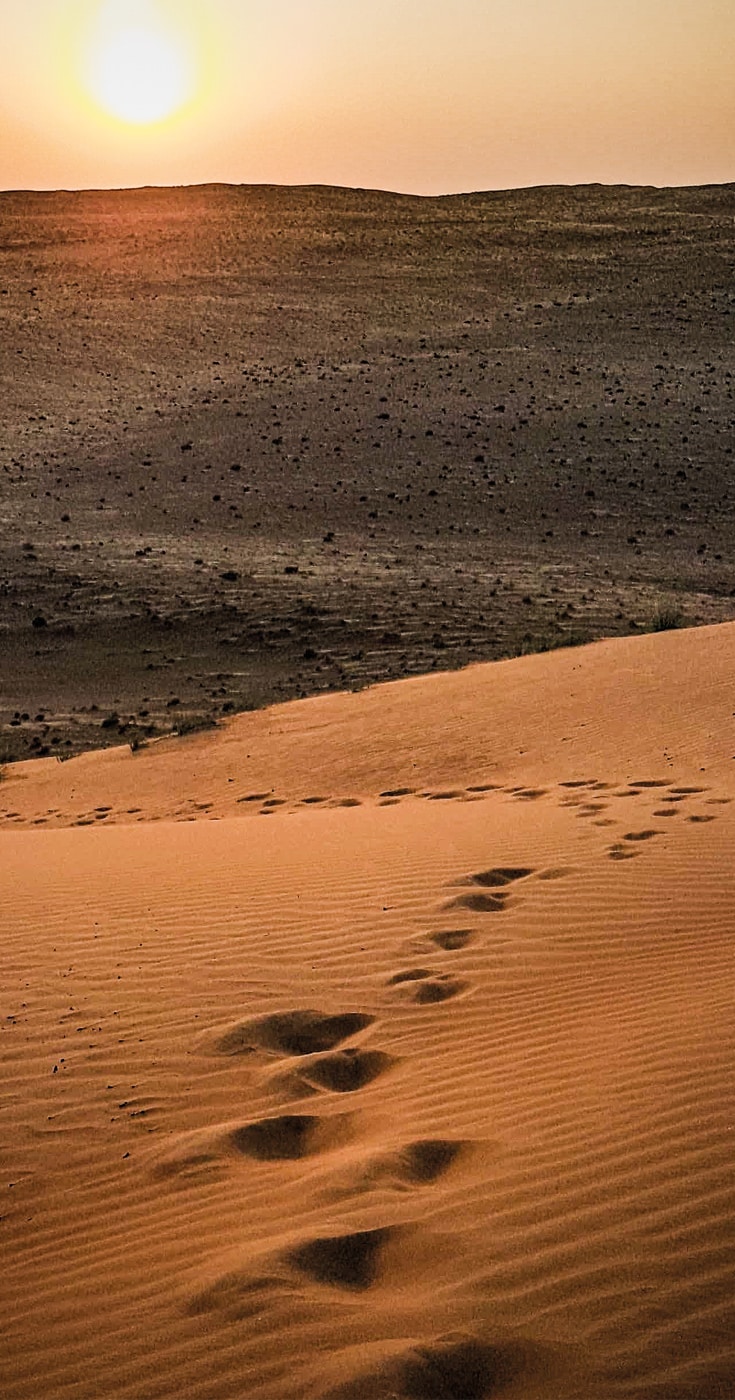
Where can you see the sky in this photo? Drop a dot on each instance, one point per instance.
(422, 96)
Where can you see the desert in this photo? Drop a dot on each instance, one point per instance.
(380, 1045)
(366, 794)
(259, 443)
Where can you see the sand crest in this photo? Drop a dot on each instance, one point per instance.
(420, 1087)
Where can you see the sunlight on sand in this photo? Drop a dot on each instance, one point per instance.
(421, 1087)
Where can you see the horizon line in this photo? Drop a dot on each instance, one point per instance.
(358, 189)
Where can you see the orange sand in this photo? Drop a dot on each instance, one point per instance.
(426, 1096)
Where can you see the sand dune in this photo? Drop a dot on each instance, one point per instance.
(420, 1088)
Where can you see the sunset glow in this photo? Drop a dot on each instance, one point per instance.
(420, 96)
(137, 68)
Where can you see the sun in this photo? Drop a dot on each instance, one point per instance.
(138, 68)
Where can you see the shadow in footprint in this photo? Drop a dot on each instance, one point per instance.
(452, 939)
(189, 1168)
(423, 1162)
(425, 987)
(412, 1167)
(293, 1032)
(289, 1137)
(348, 1070)
(461, 1368)
(414, 974)
(442, 987)
(501, 875)
(479, 903)
(343, 1261)
(456, 1367)
(640, 835)
(239, 1297)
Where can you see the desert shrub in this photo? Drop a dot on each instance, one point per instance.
(532, 645)
(192, 724)
(667, 619)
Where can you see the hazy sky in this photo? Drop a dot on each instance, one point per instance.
(418, 95)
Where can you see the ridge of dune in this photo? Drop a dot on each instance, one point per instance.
(663, 699)
(397, 1095)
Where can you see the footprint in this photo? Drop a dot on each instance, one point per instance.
(397, 792)
(424, 1161)
(451, 940)
(459, 1369)
(238, 1297)
(312, 801)
(703, 817)
(619, 852)
(648, 783)
(288, 1137)
(347, 1070)
(416, 1165)
(443, 796)
(456, 1367)
(479, 903)
(640, 835)
(342, 1261)
(529, 794)
(666, 812)
(416, 974)
(190, 1167)
(293, 1032)
(500, 875)
(254, 797)
(686, 791)
(484, 787)
(426, 987)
